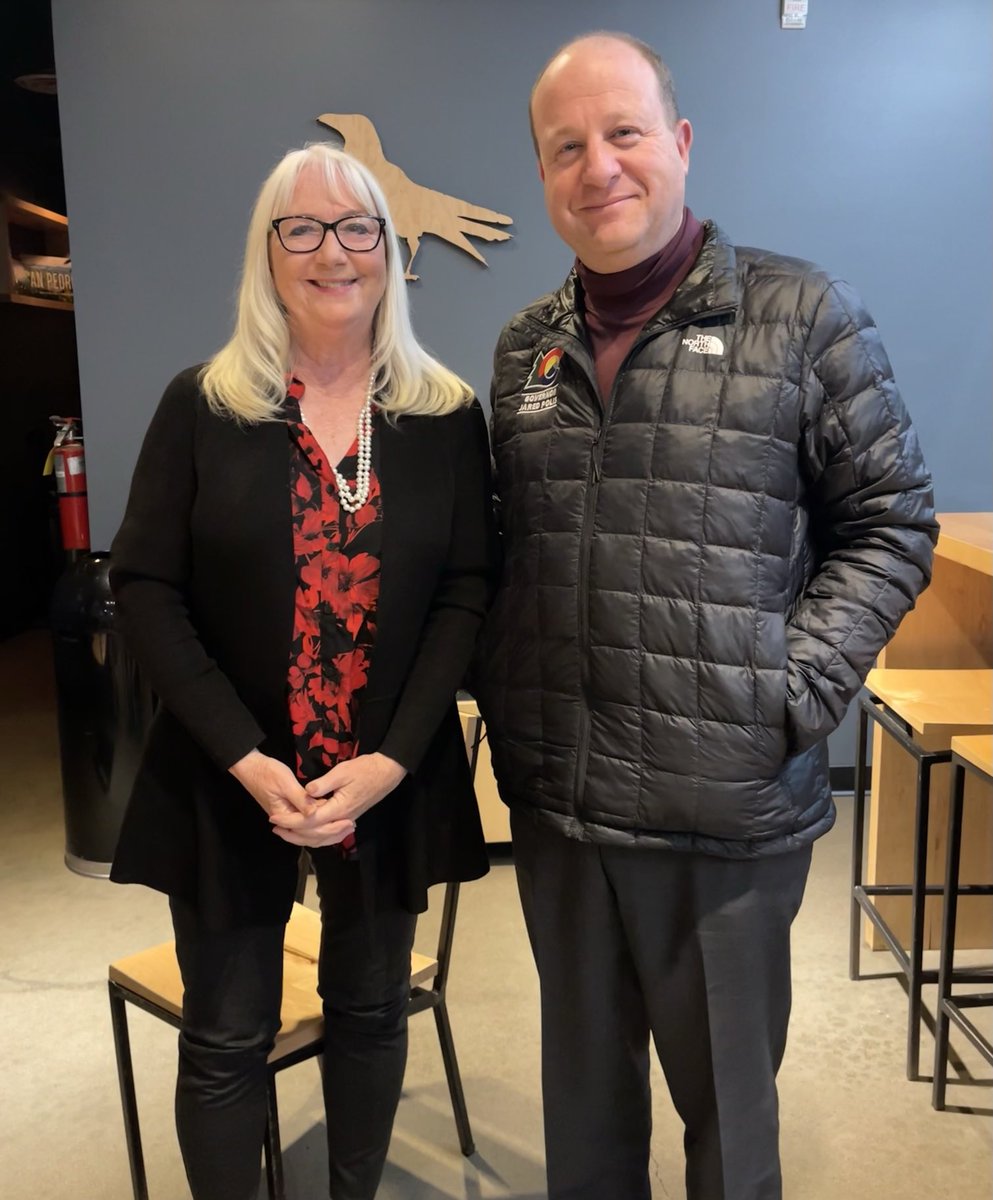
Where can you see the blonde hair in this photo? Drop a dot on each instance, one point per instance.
(246, 378)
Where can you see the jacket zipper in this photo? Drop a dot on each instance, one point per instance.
(594, 477)
(582, 355)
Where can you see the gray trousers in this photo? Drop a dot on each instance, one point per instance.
(689, 949)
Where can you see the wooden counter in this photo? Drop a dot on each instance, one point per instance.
(952, 622)
(951, 627)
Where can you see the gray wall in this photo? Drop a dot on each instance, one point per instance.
(861, 142)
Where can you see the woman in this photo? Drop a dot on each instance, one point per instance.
(305, 560)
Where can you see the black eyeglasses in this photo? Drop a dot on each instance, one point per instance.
(304, 235)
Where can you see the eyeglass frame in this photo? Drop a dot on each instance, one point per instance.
(327, 226)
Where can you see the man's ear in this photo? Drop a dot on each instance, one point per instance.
(684, 139)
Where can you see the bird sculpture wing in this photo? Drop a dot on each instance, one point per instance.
(416, 209)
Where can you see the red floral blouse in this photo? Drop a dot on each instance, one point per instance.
(337, 557)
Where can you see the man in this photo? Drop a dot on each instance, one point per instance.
(715, 514)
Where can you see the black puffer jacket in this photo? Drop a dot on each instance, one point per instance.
(697, 581)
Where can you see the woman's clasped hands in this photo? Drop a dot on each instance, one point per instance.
(325, 811)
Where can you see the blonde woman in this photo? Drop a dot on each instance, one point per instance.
(304, 563)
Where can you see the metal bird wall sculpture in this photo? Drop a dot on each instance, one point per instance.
(417, 210)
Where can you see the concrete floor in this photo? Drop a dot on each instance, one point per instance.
(853, 1127)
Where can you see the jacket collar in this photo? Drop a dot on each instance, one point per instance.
(712, 285)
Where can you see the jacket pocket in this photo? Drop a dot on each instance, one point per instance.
(772, 690)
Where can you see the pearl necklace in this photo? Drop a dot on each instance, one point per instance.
(351, 501)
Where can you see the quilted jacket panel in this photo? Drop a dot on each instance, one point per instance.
(700, 571)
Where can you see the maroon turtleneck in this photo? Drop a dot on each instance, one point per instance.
(618, 305)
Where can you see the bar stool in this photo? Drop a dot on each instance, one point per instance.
(915, 708)
(973, 754)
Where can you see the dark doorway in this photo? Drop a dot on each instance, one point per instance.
(38, 366)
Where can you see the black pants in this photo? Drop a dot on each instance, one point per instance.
(232, 989)
(690, 949)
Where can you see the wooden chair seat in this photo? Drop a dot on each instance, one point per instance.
(153, 974)
(976, 751)
(932, 701)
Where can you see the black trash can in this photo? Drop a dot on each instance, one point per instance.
(104, 711)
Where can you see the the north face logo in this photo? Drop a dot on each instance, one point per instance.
(704, 343)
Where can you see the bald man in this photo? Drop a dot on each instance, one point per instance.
(715, 513)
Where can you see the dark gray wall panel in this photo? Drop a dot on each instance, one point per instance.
(861, 142)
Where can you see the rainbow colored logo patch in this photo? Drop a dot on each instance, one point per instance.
(545, 371)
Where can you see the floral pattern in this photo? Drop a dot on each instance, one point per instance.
(337, 557)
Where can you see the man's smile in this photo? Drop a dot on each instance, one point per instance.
(604, 205)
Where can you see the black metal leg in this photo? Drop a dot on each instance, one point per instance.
(275, 1183)
(446, 937)
(948, 918)
(466, 1143)
(129, 1104)
(918, 897)
(858, 837)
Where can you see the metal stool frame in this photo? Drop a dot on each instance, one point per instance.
(910, 960)
(950, 1007)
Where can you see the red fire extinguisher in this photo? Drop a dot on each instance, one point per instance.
(69, 464)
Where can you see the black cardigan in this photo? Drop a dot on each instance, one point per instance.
(203, 575)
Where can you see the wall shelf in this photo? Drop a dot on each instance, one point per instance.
(27, 228)
(34, 301)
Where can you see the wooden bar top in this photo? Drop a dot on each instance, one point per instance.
(930, 700)
(976, 749)
(967, 538)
